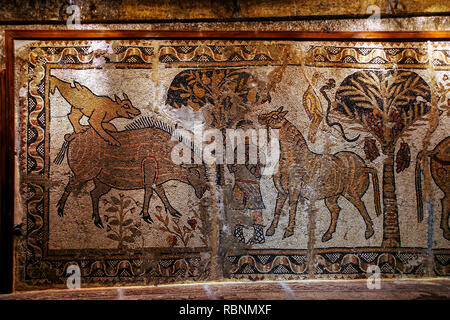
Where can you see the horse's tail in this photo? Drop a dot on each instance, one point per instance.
(418, 180)
(376, 189)
(62, 152)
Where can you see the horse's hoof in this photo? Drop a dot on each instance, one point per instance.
(60, 211)
(288, 233)
(147, 219)
(369, 233)
(326, 237)
(98, 224)
(270, 232)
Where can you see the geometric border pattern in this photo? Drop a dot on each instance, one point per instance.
(346, 262)
(375, 56)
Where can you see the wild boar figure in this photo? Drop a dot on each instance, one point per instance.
(143, 161)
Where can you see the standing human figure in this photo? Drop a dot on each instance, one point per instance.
(246, 190)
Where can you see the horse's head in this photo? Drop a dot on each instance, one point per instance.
(124, 108)
(274, 119)
(196, 176)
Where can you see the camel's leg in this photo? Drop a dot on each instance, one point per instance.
(71, 185)
(99, 190)
(162, 195)
(359, 204)
(293, 200)
(281, 199)
(149, 179)
(333, 207)
(444, 217)
(75, 116)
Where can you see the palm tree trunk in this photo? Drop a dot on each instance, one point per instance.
(391, 230)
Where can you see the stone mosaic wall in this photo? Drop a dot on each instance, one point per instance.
(362, 175)
(132, 10)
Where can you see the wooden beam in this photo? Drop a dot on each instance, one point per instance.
(245, 35)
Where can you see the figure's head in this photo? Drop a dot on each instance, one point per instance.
(274, 119)
(125, 108)
(196, 176)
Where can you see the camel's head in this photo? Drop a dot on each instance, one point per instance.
(274, 119)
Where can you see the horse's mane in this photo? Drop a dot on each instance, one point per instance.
(151, 122)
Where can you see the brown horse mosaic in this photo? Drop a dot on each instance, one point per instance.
(303, 174)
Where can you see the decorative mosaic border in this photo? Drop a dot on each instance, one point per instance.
(376, 57)
(282, 264)
(441, 262)
(351, 262)
(216, 55)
